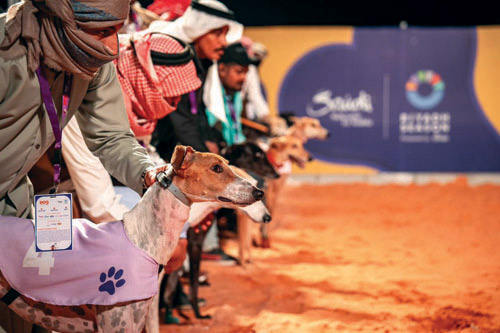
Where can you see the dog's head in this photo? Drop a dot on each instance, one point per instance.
(307, 128)
(291, 148)
(250, 157)
(208, 177)
(257, 211)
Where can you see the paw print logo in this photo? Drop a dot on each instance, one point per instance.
(113, 282)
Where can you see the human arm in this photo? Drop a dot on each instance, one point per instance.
(92, 183)
(105, 128)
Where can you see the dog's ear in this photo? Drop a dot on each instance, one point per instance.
(182, 157)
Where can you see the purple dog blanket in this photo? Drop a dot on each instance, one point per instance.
(103, 268)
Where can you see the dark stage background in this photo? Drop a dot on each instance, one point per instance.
(362, 13)
(358, 13)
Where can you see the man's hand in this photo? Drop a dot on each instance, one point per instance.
(212, 147)
(150, 175)
(178, 257)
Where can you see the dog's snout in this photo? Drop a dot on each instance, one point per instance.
(258, 194)
(328, 134)
(310, 158)
(267, 218)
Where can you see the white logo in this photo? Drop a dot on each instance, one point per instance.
(346, 110)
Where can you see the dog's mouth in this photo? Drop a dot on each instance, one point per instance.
(297, 161)
(224, 199)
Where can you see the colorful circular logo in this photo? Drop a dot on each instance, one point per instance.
(431, 100)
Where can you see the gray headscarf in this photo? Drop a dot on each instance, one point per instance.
(52, 30)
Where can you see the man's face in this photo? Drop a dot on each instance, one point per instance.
(108, 36)
(211, 45)
(232, 76)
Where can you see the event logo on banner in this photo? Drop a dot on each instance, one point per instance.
(396, 100)
(424, 91)
(346, 110)
(424, 78)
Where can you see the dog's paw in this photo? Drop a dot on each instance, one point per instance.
(265, 243)
(113, 282)
(204, 317)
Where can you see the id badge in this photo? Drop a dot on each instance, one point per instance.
(53, 222)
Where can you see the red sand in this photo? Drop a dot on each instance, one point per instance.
(349, 258)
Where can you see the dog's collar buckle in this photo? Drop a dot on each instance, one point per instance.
(165, 179)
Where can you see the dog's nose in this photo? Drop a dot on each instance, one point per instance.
(267, 218)
(328, 134)
(258, 194)
(310, 158)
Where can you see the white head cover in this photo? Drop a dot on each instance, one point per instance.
(201, 17)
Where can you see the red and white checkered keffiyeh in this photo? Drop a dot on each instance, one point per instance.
(174, 8)
(145, 86)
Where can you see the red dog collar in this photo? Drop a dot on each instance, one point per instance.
(273, 161)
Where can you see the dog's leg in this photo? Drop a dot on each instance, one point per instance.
(153, 317)
(244, 238)
(126, 317)
(248, 238)
(195, 243)
(171, 287)
(272, 193)
(170, 291)
(240, 227)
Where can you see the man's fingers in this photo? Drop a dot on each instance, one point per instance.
(150, 176)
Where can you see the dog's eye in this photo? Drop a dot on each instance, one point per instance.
(216, 168)
(295, 146)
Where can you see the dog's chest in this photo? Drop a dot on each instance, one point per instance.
(104, 267)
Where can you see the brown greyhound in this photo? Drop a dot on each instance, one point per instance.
(282, 151)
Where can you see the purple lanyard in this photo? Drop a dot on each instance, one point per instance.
(192, 101)
(233, 116)
(135, 20)
(54, 121)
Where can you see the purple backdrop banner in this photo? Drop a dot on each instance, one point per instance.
(396, 100)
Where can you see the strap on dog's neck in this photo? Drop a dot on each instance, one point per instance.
(10, 296)
(165, 179)
(273, 162)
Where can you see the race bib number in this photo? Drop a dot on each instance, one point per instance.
(44, 260)
(53, 222)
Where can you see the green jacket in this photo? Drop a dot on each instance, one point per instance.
(26, 133)
(231, 132)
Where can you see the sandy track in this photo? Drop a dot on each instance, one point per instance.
(349, 258)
